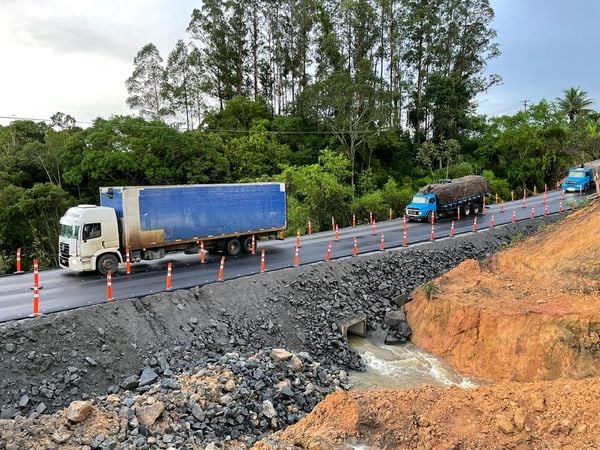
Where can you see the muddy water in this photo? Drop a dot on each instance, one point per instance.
(402, 367)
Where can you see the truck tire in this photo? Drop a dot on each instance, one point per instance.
(466, 210)
(430, 216)
(476, 208)
(233, 247)
(107, 263)
(247, 244)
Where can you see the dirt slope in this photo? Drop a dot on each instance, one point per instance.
(531, 312)
(542, 415)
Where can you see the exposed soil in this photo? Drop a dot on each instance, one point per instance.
(541, 415)
(531, 312)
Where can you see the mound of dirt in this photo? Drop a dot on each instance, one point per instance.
(554, 414)
(531, 312)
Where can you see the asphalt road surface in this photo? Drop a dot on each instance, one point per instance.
(62, 290)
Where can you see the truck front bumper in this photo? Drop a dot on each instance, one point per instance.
(76, 264)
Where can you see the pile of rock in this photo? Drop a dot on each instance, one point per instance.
(236, 398)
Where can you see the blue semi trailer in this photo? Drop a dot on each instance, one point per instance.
(151, 221)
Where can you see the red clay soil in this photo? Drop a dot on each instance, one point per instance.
(541, 415)
(531, 312)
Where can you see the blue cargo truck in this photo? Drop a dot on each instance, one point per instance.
(581, 179)
(151, 221)
(447, 197)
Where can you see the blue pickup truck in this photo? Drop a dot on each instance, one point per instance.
(447, 197)
(579, 179)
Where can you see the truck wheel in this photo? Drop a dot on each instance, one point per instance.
(466, 210)
(430, 216)
(247, 244)
(233, 247)
(476, 208)
(107, 263)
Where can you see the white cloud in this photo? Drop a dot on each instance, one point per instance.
(75, 55)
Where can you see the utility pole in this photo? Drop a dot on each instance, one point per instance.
(525, 104)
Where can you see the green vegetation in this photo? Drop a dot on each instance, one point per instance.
(430, 289)
(353, 104)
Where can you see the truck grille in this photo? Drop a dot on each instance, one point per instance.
(412, 212)
(63, 253)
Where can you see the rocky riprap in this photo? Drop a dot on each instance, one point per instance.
(48, 362)
(235, 398)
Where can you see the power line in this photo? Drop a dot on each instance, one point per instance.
(525, 104)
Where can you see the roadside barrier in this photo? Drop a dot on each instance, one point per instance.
(221, 269)
(36, 301)
(514, 216)
(262, 261)
(332, 223)
(404, 230)
(296, 258)
(353, 220)
(560, 206)
(36, 275)
(391, 215)
(432, 231)
(492, 222)
(502, 206)
(253, 245)
(545, 210)
(545, 188)
(474, 226)
(532, 212)
(309, 227)
(458, 213)
(355, 247)
(19, 271)
(127, 262)
(496, 198)
(373, 229)
(512, 196)
(381, 243)
(452, 229)
(534, 191)
(562, 195)
(298, 238)
(370, 217)
(337, 233)
(483, 207)
(109, 294)
(169, 276)
(545, 200)
(557, 185)
(523, 205)
(202, 250)
(328, 253)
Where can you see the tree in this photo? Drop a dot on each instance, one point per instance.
(428, 155)
(144, 86)
(176, 88)
(575, 102)
(349, 106)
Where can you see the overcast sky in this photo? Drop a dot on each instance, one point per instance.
(74, 56)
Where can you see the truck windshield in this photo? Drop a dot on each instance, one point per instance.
(69, 231)
(576, 174)
(420, 199)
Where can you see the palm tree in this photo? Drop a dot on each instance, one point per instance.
(574, 102)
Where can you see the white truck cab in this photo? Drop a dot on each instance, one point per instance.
(89, 239)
